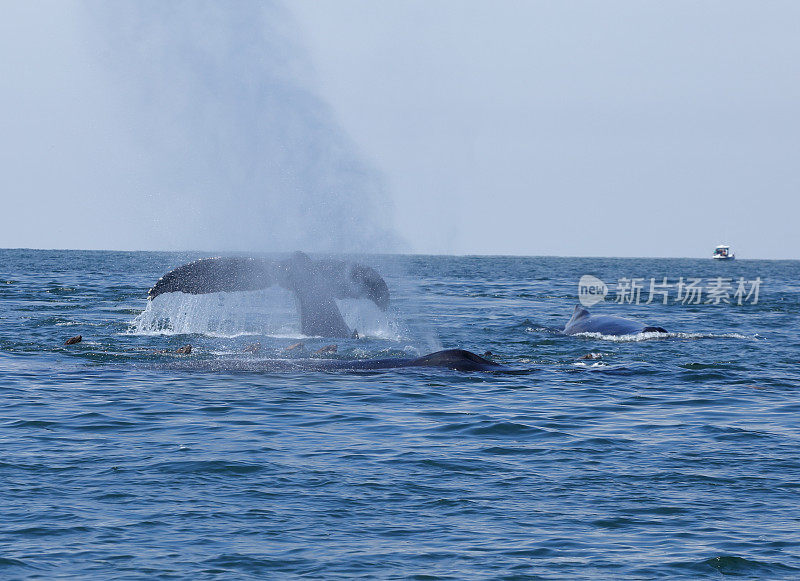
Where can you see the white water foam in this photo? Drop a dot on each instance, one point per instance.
(590, 365)
(267, 312)
(272, 312)
(365, 317)
(648, 336)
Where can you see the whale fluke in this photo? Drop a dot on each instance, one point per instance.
(211, 275)
(315, 283)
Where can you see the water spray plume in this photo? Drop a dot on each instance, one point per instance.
(239, 151)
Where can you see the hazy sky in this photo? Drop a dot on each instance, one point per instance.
(187, 124)
(572, 128)
(576, 128)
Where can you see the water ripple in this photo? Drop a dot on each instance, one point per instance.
(672, 458)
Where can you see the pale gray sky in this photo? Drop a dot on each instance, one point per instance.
(573, 128)
(577, 128)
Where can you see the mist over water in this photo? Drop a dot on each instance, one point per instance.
(243, 152)
(181, 125)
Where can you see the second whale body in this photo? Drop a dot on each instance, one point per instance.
(583, 321)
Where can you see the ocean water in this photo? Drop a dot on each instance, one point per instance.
(658, 457)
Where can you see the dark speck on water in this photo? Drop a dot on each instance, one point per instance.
(667, 458)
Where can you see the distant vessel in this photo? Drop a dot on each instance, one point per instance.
(723, 252)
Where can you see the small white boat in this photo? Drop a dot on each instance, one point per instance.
(723, 252)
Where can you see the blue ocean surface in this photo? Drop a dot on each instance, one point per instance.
(642, 457)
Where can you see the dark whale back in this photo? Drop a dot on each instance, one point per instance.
(458, 359)
(455, 359)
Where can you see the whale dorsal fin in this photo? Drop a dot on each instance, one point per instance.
(579, 313)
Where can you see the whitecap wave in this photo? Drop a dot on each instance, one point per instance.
(271, 312)
(650, 336)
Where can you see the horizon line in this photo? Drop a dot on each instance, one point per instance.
(354, 253)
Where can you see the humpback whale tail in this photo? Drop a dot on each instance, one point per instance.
(315, 283)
